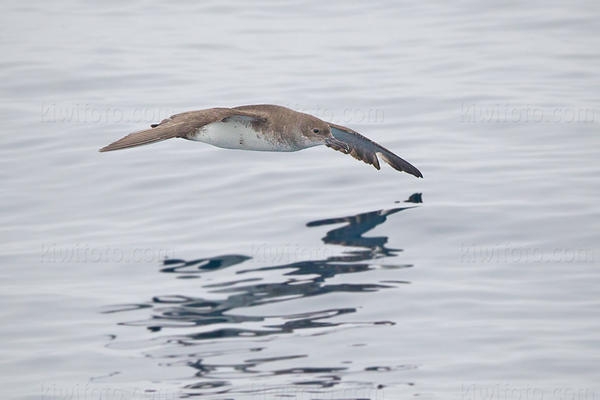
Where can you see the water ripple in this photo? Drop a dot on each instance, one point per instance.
(210, 319)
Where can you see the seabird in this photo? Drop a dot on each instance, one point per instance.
(264, 127)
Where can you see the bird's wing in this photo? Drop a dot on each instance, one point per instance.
(181, 125)
(366, 150)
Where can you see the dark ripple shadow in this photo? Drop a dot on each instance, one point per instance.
(220, 318)
(174, 265)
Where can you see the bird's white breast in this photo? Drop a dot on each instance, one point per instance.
(240, 135)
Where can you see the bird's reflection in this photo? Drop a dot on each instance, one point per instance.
(351, 234)
(222, 317)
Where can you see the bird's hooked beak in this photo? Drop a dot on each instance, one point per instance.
(337, 144)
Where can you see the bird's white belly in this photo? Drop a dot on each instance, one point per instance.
(239, 135)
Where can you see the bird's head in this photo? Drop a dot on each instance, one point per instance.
(319, 132)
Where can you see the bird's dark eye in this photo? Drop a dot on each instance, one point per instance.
(315, 130)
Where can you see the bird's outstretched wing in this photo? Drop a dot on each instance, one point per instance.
(366, 150)
(181, 125)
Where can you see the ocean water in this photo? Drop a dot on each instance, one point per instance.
(183, 270)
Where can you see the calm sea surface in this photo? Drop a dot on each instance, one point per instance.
(180, 269)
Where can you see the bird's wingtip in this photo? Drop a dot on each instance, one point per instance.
(105, 149)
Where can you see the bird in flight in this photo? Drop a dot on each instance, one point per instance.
(264, 127)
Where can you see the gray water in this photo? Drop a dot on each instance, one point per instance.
(180, 269)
